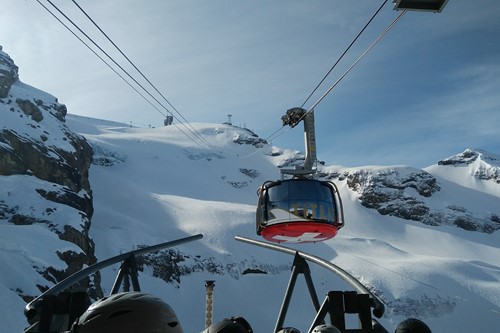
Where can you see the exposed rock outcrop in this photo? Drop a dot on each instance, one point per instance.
(388, 191)
(171, 265)
(51, 165)
(8, 73)
(247, 137)
(485, 166)
(406, 193)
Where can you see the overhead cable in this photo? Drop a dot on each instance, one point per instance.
(130, 76)
(107, 64)
(345, 51)
(140, 72)
(97, 55)
(357, 60)
(310, 109)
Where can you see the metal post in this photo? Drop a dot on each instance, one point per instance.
(310, 140)
(209, 286)
(299, 266)
(292, 117)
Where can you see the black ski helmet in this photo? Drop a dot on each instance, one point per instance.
(288, 330)
(412, 325)
(128, 312)
(326, 329)
(230, 325)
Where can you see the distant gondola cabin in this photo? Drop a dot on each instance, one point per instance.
(298, 210)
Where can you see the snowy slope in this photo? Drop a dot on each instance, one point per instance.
(168, 187)
(475, 169)
(152, 185)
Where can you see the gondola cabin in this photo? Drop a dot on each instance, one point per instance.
(298, 210)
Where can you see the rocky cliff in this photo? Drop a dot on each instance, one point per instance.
(410, 193)
(44, 175)
(484, 166)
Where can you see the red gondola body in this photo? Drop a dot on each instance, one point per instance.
(298, 210)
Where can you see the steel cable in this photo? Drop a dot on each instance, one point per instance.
(140, 72)
(114, 61)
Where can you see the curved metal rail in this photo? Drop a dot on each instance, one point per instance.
(72, 279)
(377, 305)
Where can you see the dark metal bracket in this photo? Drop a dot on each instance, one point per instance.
(55, 309)
(299, 266)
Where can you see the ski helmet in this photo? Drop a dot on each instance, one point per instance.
(128, 312)
(288, 330)
(326, 329)
(230, 325)
(412, 325)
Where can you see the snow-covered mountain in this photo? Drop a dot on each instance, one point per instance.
(426, 241)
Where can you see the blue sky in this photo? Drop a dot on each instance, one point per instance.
(429, 89)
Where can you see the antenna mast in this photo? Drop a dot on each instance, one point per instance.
(209, 285)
